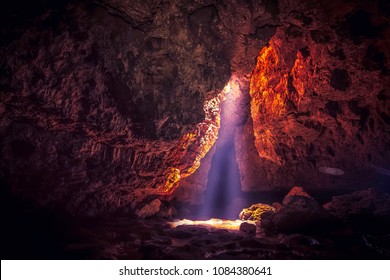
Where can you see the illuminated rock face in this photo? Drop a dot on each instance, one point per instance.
(319, 109)
(255, 211)
(275, 91)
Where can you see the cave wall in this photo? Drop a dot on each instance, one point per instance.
(107, 105)
(115, 105)
(320, 99)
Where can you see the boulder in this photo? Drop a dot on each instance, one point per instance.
(248, 228)
(150, 209)
(297, 194)
(299, 213)
(277, 205)
(254, 212)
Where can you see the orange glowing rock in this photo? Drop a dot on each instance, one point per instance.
(172, 178)
(298, 73)
(275, 89)
(208, 131)
(194, 146)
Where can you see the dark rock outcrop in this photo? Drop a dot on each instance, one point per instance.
(297, 195)
(185, 231)
(299, 213)
(365, 208)
(248, 228)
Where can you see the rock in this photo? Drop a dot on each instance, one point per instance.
(292, 219)
(215, 237)
(108, 104)
(160, 240)
(266, 223)
(340, 79)
(295, 194)
(299, 213)
(96, 114)
(277, 205)
(150, 209)
(248, 228)
(299, 240)
(294, 130)
(167, 211)
(187, 231)
(369, 206)
(254, 212)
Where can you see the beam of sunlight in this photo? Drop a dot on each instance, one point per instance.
(223, 193)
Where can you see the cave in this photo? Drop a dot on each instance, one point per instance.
(202, 129)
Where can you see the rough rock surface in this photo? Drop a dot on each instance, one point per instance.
(121, 238)
(108, 105)
(254, 212)
(294, 194)
(369, 205)
(298, 214)
(248, 228)
(150, 209)
(319, 99)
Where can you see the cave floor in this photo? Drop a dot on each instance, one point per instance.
(124, 238)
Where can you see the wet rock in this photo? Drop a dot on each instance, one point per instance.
(254, 212)
(248, 228)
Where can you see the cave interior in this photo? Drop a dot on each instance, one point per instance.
(205, 129)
